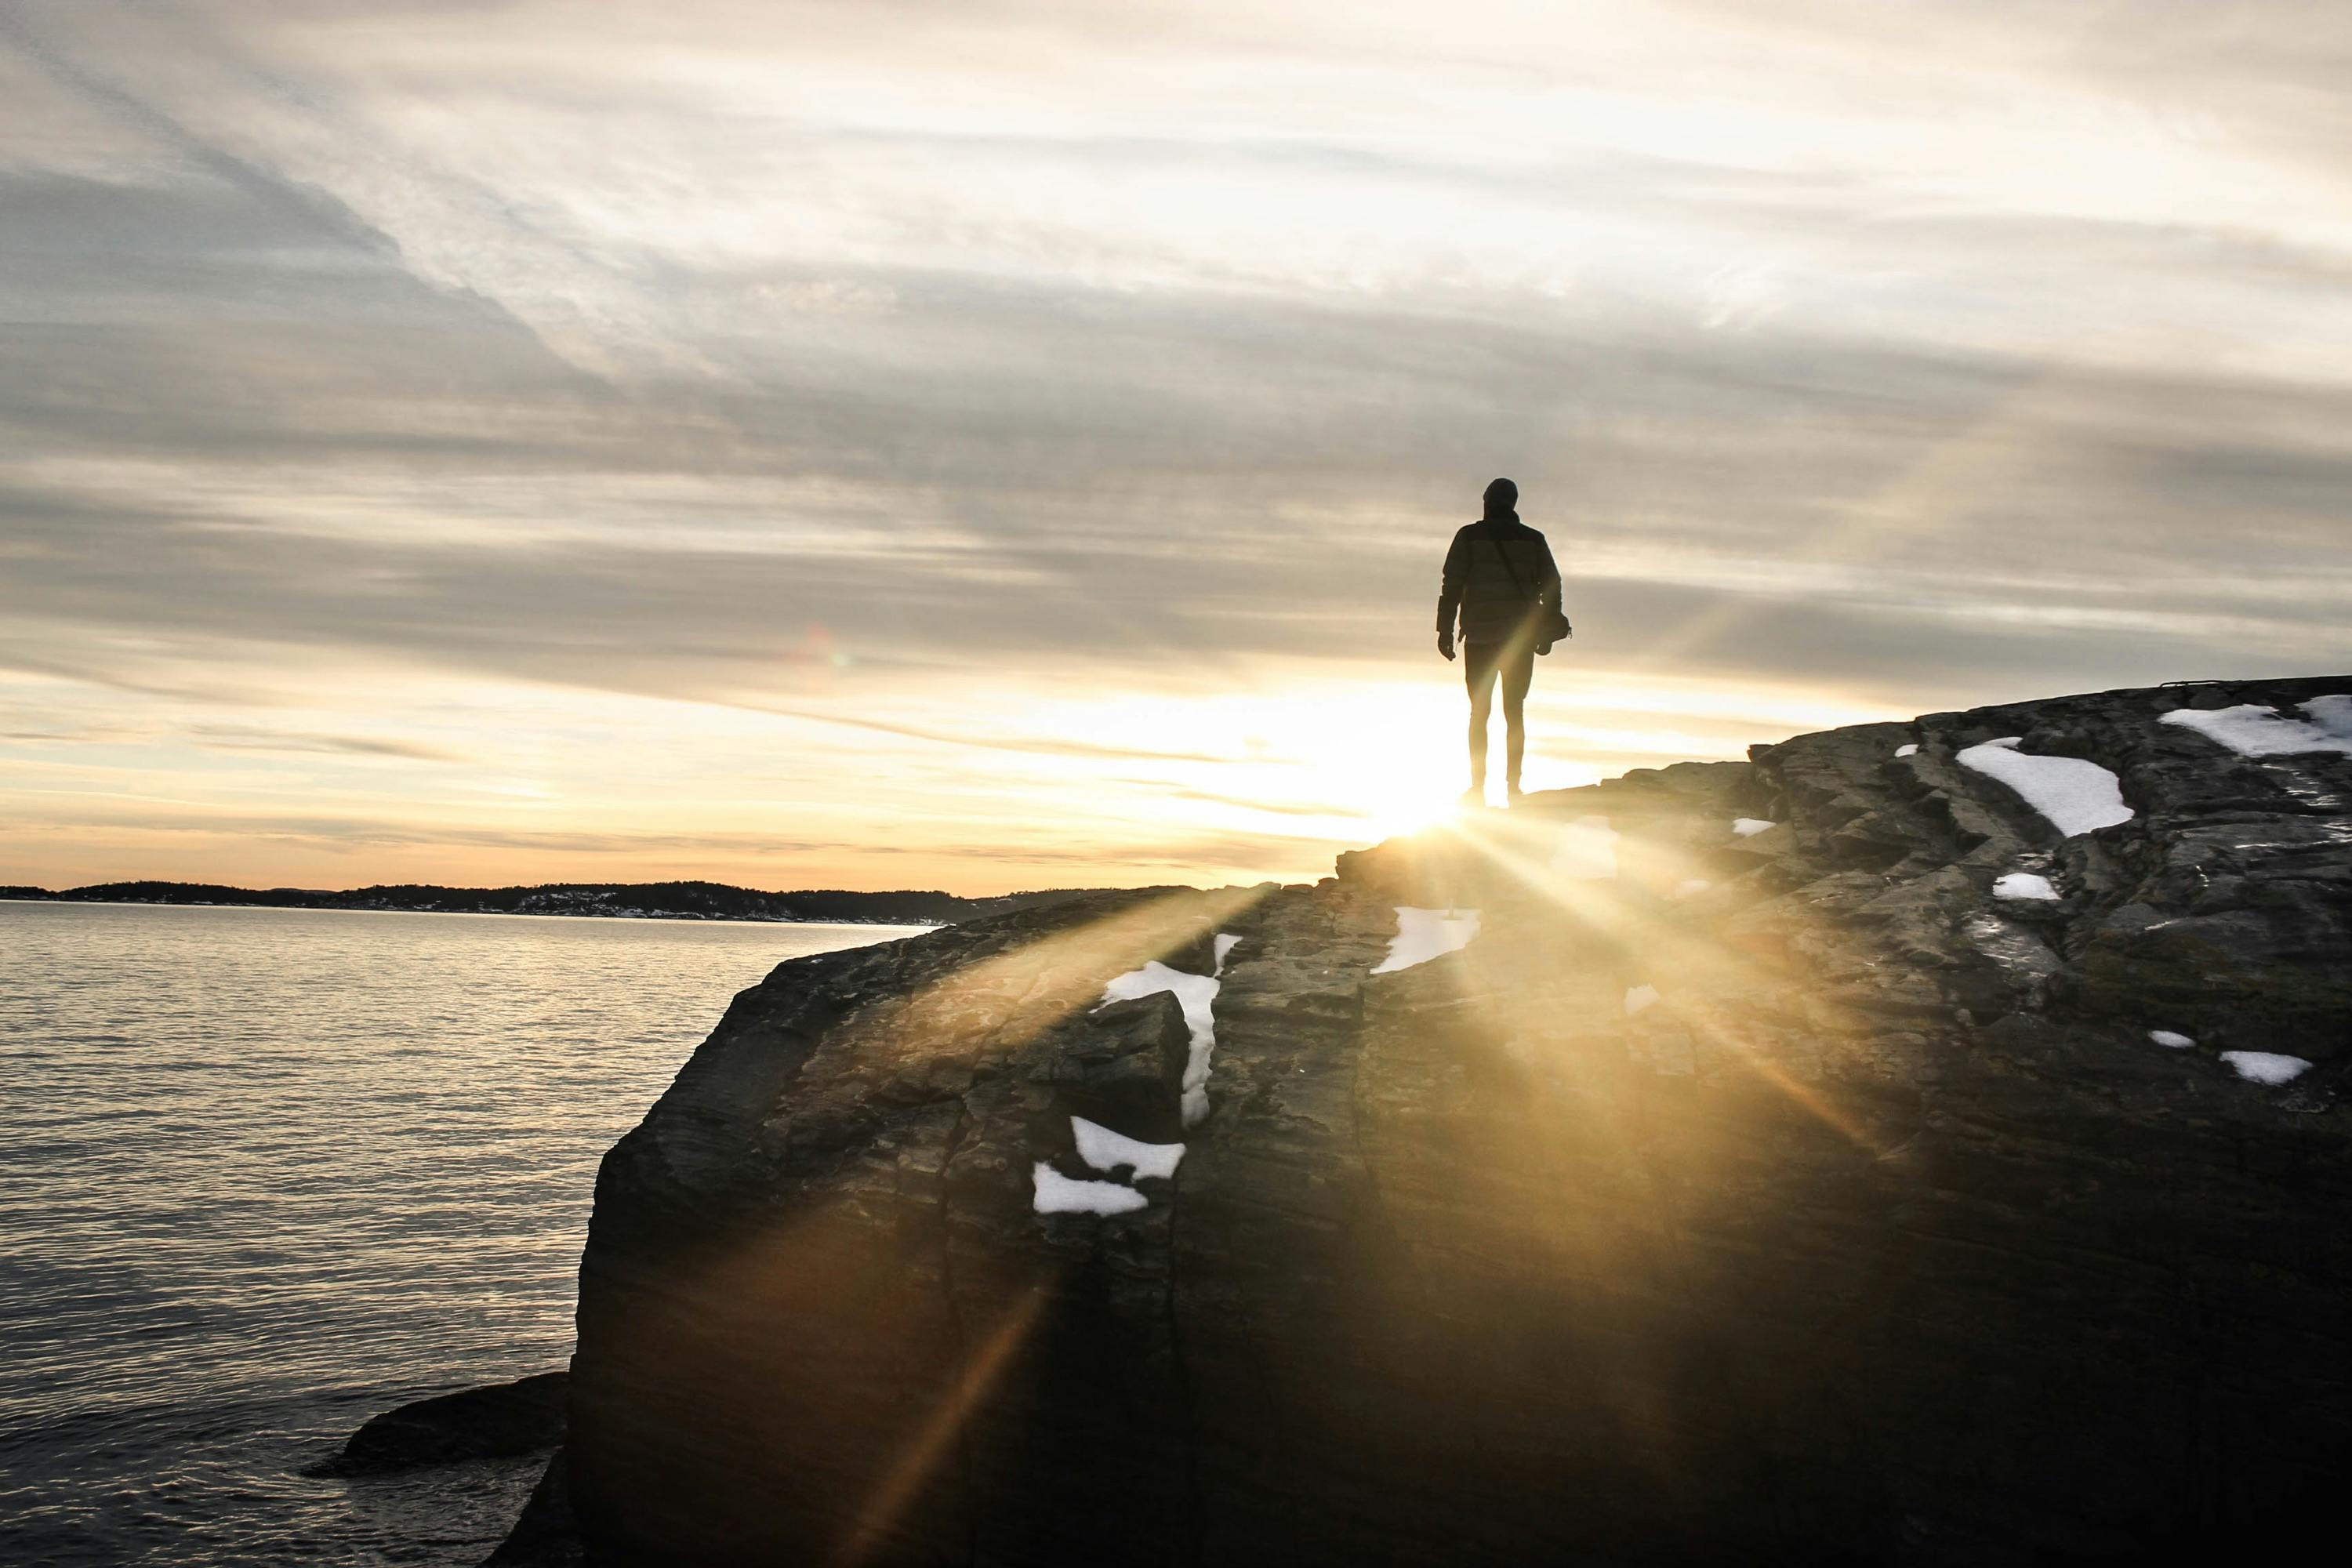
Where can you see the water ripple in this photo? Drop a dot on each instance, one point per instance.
(267, 1172)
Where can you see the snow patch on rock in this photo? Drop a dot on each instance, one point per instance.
(1908, 749)
(2251, 729)
(1226, 943)
(1106, 1150)
(2022, 885)
(2170, 1040)
(1054, 1193)
(1749, 827)
(1424, 934)
(1196, 995)
(1638, 997)
(2266, 1066)
(2074, 796)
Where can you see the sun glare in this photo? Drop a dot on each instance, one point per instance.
(1272, 774)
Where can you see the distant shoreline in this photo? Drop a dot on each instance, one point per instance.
(595, 900)
(486, 914)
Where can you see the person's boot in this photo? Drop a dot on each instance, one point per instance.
(1475, 796)
(1512, 793)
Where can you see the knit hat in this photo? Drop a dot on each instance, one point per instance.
(1501, 497)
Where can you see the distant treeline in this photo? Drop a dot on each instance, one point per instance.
(642, 900)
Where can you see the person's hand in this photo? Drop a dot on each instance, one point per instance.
(1446, 646)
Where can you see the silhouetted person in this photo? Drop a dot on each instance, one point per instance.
(1501, 580)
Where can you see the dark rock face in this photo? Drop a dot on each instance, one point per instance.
(1779, 1197)
(524, 1416)
(547, 1535)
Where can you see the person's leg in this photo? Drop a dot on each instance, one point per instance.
(1478, 670)
(1518, 672)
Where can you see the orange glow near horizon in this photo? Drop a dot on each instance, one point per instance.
(915, 784)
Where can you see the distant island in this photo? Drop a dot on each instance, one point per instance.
(620, 900)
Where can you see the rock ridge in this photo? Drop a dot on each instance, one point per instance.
(1787, 1190)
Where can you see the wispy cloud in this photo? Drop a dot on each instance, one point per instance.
(1037, 745)
(245, 738)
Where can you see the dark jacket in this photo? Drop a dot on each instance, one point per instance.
(1478, 586)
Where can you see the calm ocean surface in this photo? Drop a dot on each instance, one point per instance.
(265, 1172)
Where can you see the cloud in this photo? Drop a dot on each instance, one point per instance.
(1749, 462)
(245, 738)
(828, 354)
(1277, 808)
(344, 834)
(1048, 746)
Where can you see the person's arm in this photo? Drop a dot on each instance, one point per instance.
(1449, 594)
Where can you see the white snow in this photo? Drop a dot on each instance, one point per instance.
(1106, 1150)
(1424, 934)
(1909, 749)
(1749, 826)
(1639, 998)
(1586, 850)
(1057, 1194)
(1225, 943)
(1684, 888)
(2264, 1067)
(2166, 1037)
(1195, 993)
(2076, 795)
(2022, 885)
(2254, 731)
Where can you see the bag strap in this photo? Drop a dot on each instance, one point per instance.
(1517, 586)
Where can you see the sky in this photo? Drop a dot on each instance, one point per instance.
(996, 444)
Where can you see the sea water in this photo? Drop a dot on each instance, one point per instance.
(266, 1173)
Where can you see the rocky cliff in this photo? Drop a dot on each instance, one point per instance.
(1920, 1143)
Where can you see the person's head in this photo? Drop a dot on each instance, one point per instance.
(1501, 497)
